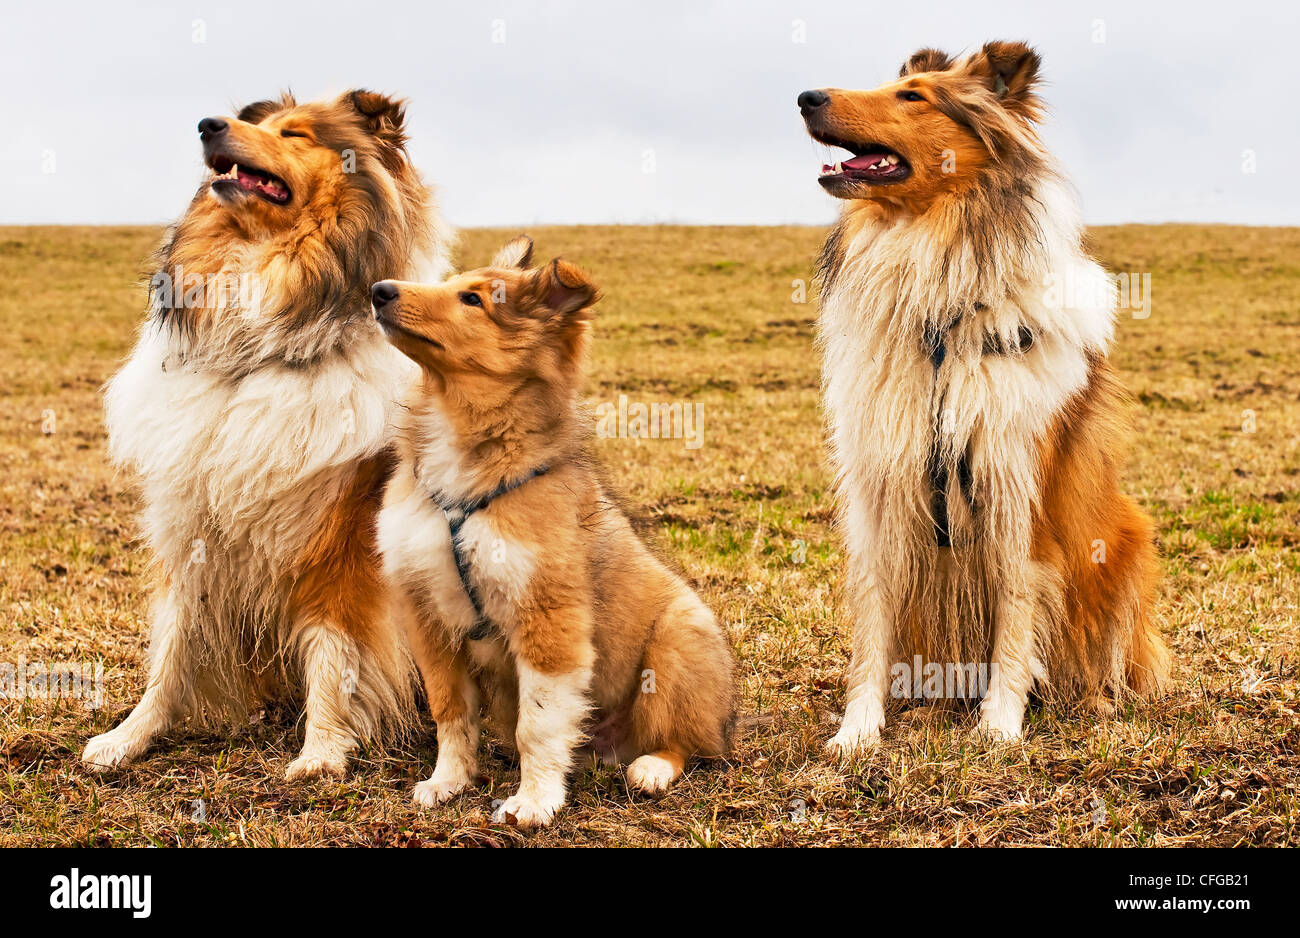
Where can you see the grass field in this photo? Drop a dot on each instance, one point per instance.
(706, 315)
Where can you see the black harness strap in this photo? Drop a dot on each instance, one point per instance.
(457, 514)
(937, 346)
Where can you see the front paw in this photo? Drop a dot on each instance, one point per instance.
(849, 744)
(858, 733)
(435, 791)
(520, 810)
(1001, 724)
(317, 765)
(108, 751)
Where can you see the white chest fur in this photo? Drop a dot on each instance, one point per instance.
(889, 408)
(415, 541)
(249, 463)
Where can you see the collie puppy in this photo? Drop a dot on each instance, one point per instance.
(976, 425)
(256, 408)
(520, 578)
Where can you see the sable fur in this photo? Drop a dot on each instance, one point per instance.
(1030, 440)
(260, 431)
(594, 638)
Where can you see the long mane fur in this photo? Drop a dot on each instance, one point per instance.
(974, 270)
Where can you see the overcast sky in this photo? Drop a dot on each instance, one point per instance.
(529, 113)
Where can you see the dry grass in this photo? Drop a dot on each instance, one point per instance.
(705, 314)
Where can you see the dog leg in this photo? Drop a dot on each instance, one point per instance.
(164, 700)
(453, 704)
(868, 677)
(1015, 665)
(548, 731)
(457, 764)
(330, 665)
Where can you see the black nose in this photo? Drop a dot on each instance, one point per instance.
(812, 100)
(211, 126)
(383, 293)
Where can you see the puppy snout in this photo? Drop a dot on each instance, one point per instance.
(383, 293)
(810, 101)
(211, 127)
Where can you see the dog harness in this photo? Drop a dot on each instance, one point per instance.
(936, 341)
(457, 513)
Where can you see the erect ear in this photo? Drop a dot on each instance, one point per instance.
(562, 288)
(926, 60)
(385, 117)
(517, 252)
(1010, 69)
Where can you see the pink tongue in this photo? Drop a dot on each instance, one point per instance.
(863, 162)
(248, 182)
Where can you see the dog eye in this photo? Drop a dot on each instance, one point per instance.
(910, 96)
(292, 133)
(470, 298)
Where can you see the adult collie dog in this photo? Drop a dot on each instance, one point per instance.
(976, 424)
(521, 578)
(256, 408)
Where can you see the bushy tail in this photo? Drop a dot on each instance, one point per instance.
(1147, 667)
(684, 700)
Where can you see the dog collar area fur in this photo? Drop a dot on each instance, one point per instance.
(457, 513)
(936, 342)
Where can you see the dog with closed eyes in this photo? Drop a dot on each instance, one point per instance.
(256, 411)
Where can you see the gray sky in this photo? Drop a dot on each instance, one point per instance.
(559, 122)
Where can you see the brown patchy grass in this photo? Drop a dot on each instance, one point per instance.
(706, 314)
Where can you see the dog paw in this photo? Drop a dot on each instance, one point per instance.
(1000, 728)
(523, 811)
(651, 774)
(1099, 705)
(846, 745)
(108, 751)
(307, 767)
(855, 737)
(434, 791)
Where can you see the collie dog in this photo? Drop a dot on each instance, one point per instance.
(256, 407)
(519, 576)
(976, 425)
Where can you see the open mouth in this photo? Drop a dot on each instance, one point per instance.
(231, 177)
(872, 163)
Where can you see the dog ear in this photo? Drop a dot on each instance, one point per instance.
(1010, 70)
(517, 252)
(925, 60)
(259, 111)
(385, 117)
(562, 289)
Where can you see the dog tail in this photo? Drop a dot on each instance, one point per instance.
(685, 698)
